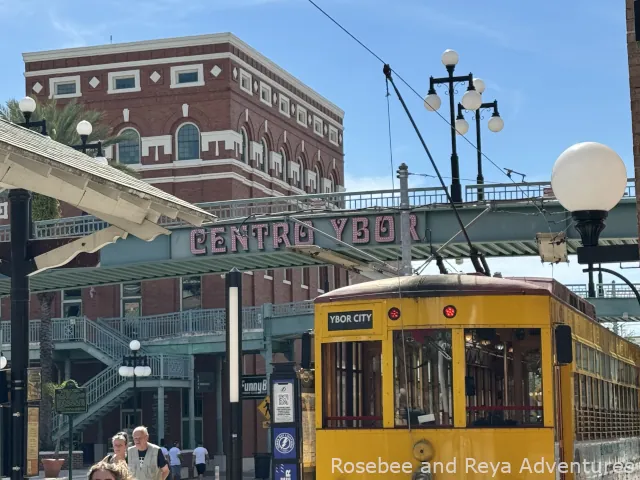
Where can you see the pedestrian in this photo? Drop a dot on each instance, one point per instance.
(109, 471)
(200, 458)
(165, 452)
(145, 459)
(120, 443)
(175, 461)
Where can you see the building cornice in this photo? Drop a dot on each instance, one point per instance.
(180, 42)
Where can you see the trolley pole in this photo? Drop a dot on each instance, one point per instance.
(405, 234)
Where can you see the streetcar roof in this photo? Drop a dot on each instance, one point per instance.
(438, 286)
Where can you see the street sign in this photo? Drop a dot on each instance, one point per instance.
(70, 399)
(205, 382)
(265, 408)
(254, 387)
(283, 410)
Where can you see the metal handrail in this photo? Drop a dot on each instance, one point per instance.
(604, 290)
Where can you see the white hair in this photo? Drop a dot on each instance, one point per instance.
(141, 429)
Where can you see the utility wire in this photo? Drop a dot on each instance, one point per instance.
(421, 98)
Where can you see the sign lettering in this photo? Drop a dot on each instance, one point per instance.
(278, 235)
(360, 320)
(254, 387)
(71, 399)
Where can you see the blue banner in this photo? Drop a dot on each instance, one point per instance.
(284, 443)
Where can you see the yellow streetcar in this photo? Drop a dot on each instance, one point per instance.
(469, 377)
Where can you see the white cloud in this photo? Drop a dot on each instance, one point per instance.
(75, 35)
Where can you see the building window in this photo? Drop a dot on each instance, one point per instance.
(72, 303)
(245, 82)
(333, 135)
(129, 149)
(284, 165)
(265, 93)
(323, 279)
(191, 297)
(188, 142)
(187, 76)
(268, 274)
(131, 295)
(286, 276)
(284, 105)
(244, 154)
(122, 82)
(316, 185)
(64, 87)
(317, 126)
(265, 156)
(297, 177)
(302, 116)
(305, 277)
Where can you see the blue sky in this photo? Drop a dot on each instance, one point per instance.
(558, 70)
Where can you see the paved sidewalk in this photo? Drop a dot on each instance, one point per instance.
(82, 475)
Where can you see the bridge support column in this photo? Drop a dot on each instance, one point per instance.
(267, 353)
(67, 368)
(160, 426)
(192, 406)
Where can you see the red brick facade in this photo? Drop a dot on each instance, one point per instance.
(220, 109)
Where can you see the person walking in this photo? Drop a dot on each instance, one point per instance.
(120, 442)
(200, 458)
(165, 452)
(145, 459)
(175, 461)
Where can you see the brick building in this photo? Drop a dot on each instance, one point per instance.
(212, 119)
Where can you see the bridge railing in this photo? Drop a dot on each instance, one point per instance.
(605, 290)
(523, 191)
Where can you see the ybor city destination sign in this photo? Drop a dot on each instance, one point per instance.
(359, 231)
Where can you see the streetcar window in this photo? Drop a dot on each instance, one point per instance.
(352, 385)
(423, 377)
(505, 366)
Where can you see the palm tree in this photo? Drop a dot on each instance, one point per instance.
(61, 125)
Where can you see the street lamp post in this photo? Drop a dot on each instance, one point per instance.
(589, 179)
(495, 124)
(471, 100)
(135, 366)
(233, 327)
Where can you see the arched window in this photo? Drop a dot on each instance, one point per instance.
(128, 151)
(188, 142)
(300, 182)
(318, 179)
(285, 166)
(334, 181)
(244, 156)
(265, 155)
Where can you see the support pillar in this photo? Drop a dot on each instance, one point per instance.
(160, 426)
(267, 353)
(67, 368)
(405, 220)
(192, 406)
(19, 200)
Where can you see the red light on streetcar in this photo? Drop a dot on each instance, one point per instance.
(449, 311)
(394, 313)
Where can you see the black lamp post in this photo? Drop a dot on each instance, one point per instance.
(471, 100)
(135, 366)
(495, 124)
(233, 327)
(589, 179)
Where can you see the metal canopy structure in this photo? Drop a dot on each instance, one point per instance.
(31, 161)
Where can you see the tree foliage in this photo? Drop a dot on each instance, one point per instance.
(61, 126)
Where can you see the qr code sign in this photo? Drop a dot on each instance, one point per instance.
(283, 400)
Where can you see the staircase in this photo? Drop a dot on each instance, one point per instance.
(109, 389)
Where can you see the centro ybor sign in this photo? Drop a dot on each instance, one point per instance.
(359, 320)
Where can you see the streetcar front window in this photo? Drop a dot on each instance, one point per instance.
(352, 384)
(503, 377)
(423, 377)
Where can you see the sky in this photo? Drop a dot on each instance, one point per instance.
(558, 70)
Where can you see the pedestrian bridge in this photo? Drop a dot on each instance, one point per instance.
(271, 232)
